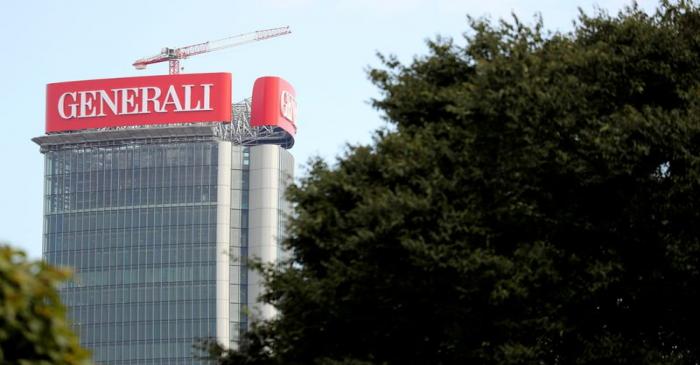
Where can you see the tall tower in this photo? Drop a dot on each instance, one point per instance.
(157, 214)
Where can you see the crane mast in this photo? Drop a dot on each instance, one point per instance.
(174, 55)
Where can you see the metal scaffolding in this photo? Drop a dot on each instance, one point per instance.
(238, 131)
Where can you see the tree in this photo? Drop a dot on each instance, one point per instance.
(537, 201)
(33, 326)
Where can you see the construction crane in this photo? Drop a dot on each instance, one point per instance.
(174, 55)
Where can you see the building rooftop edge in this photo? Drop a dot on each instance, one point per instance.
(91, 136)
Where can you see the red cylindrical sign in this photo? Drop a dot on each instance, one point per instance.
(274, 104)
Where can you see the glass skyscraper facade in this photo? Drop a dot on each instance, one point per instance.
(157, 224)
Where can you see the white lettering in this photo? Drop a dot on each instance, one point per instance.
(207, 96)
(188, 99)
(111, 103)
(288, 106)
(154, 99)
(62, 108)
(172, 98)
(129, 105)
(86, 108)
(142, 100)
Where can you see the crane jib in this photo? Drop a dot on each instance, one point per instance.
(172, 55)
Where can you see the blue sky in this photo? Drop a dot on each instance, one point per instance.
(325, 58)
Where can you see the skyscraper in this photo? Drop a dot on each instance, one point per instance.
(157, 196)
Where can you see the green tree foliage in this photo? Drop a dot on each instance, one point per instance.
(33, 326)
(537, 200)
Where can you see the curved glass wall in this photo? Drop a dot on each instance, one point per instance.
(138, 225)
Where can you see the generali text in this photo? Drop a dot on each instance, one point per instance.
(134, 100)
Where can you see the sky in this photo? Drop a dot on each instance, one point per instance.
(332, 45)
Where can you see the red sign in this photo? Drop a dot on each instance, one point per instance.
(274, 104)
(185, 98)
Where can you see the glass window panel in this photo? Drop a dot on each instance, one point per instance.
(127, 248)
